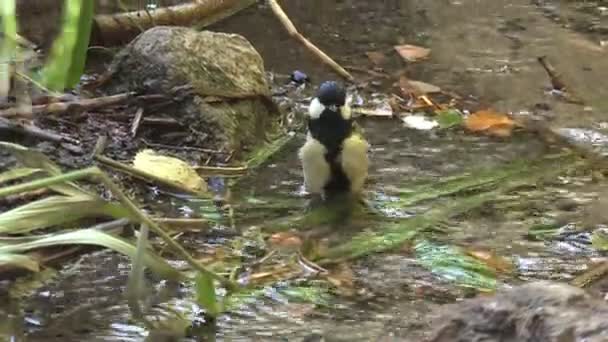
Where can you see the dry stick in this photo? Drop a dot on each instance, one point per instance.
(136, 122)
(34, 131)
(293, 32)
(557, 81)
(62, 107)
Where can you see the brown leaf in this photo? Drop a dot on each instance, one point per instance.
(376, 57)
(490, 122)
(412, 53)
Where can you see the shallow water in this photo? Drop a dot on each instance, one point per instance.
(484, 51)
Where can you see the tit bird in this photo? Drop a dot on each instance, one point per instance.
(334, 157)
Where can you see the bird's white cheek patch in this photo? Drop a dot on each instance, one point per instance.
(315, 109)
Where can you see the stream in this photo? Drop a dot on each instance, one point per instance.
(485, 51)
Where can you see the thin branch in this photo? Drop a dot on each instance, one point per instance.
(293, 32)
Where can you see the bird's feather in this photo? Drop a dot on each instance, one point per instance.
(355, 161)
(314, 165)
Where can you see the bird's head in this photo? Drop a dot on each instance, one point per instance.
(329, 101)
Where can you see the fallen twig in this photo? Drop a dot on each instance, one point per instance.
(557, 81)
(293, 32)
(136, 122)
(62, 107)
(34, 131)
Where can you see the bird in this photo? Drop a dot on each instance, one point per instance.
(334, 156)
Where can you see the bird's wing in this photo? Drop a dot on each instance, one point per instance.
(355, 161)
(315, 167)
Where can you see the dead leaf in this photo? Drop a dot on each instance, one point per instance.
(490, 122)
(376, 57)
(412, 53)
(169, 168)
(425, 88)
(492, 260)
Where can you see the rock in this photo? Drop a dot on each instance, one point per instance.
(539, 311)
(227, 97)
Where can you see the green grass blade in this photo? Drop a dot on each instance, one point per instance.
(95, 237)
(8, 49)
(54, 210)
(18, 260)
(68, 54)
(37, 160)
(205, 294)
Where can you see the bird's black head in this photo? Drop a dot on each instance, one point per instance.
(330, 93)
(329, 101)
(329, 117)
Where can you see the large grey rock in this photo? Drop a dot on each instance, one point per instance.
(228, 97)
(535, 312)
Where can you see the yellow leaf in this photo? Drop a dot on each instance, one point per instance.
(169, 168)
(490, 122)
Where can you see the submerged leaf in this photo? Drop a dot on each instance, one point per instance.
(453, 264)
(490, 122)
(449, 118)
(55, 210)
(412, 53)
(18, 260)
(169, 168)
(96, 237)
(205, 294)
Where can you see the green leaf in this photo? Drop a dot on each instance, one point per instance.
(68, 54)
(449, 118)
(205, 294)
(98, 238)
(8, 49)
(18, 260)
(453, 264)
(55, 210)
(17, 173)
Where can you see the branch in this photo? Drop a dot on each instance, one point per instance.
(293, 32)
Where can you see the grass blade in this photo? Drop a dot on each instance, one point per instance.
(18, 173)
(205, 294)
(8, 20)
(18, 260)
(55, 210)
(95, 237)
(68, 53)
